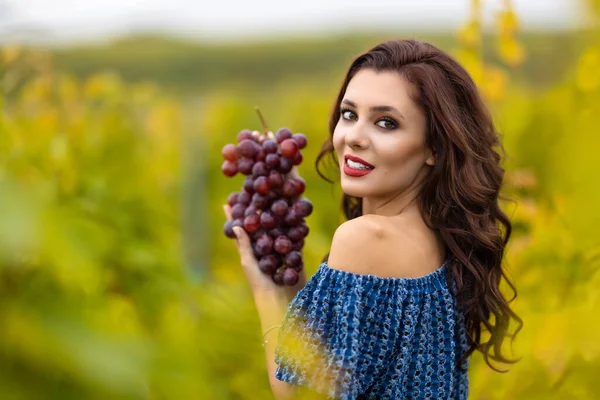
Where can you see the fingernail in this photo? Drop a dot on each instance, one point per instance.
(235, 230)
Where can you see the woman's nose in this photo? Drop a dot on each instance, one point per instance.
(357, 136)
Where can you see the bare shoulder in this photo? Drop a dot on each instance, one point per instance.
(373, 244)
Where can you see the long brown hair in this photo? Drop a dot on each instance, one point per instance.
(459, 197)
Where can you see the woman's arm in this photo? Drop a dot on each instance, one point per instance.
(271, 308)
(271, 303)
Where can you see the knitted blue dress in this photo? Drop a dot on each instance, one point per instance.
(353, 336)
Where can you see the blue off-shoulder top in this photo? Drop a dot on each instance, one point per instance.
(352, 336)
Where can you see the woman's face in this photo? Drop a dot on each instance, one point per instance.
(380, 137)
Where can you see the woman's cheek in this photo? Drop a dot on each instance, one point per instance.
(338, 140)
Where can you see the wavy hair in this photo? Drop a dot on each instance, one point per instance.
(459, 197)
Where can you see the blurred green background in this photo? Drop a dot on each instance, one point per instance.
(116, 281)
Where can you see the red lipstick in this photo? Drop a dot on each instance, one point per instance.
(355, 172)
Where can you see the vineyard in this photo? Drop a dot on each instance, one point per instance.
(117, 281)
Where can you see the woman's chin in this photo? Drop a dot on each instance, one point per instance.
(353, 190)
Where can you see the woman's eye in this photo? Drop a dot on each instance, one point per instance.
(386, 124)
(346, 114)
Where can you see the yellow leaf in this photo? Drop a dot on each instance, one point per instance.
(471, 61)
(11, 53)
(587, 76)
(68, 89)
(470, 34)
(511, 51)
(550, 346)
(507, 22)
(495, 84)
(103, 85)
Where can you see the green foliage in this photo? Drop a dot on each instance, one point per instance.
(187, 67)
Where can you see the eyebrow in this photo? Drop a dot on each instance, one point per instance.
(376, 108)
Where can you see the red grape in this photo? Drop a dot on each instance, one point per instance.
(244, 134)
(264, 244)
(229, 168)
(293, 259)
(260, 155)
(267, 220)
(296, 234)
(252, 223)
(235, 222)
(275, 179)
(268, 264)
(290, 188)
(303, 207)
(230, 152)
(249, 184)
(257, 255)
(282, 134)
(279, 207)
(274, 195)
(232, 199)
(286, 165)
(244, 198)
(251, 209)
(272, 160)
(255, 235)
(278, 277)
(247, 148)
(298, 245)
(244, 165)
(298, 158)
(261, 185)
(290, 277)
(260, 169)
(300, 140)
(304, 228)
(238, 211)
(270, 146)
(300, 184)
(275, 232)
(291, 218)
(260, 201)
(289, 148)
(283, 245)
(228, 228)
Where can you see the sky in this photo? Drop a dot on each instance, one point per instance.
(84, 20)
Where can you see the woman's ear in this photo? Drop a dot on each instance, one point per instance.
(431, 159)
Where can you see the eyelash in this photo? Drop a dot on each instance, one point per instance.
(388, 119)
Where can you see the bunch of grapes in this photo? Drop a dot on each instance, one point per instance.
(270, 207)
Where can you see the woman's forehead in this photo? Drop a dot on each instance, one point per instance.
(369, 88)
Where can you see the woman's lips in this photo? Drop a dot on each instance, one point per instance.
(348, 170)
(358, 160)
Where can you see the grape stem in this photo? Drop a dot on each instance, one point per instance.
(262, 120)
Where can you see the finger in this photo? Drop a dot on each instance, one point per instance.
(270, 135)
(227, 210)
(244, 246)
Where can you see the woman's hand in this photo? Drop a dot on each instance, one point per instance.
(260, 282)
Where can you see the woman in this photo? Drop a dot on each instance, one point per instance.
(412, 278)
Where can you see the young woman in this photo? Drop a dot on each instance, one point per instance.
(412, 278)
